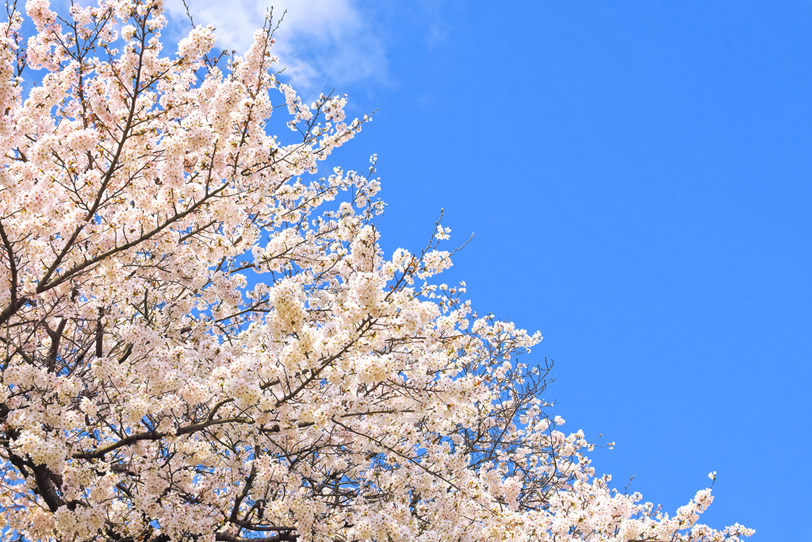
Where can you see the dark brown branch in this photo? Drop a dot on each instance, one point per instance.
(156, 435)
(42, 476)
(282, 536)
(55, 336)
(249, 482)
(412, 460)
(99, 334)
(12, 265)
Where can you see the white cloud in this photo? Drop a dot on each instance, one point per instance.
(322, 43)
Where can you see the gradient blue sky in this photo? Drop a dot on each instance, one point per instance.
(637, 174)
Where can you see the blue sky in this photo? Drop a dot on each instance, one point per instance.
(637, 175)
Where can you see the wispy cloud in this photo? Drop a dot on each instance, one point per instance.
(322, 43)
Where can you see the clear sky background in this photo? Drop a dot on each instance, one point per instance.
(638, 176)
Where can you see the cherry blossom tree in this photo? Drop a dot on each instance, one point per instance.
(202, 339)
